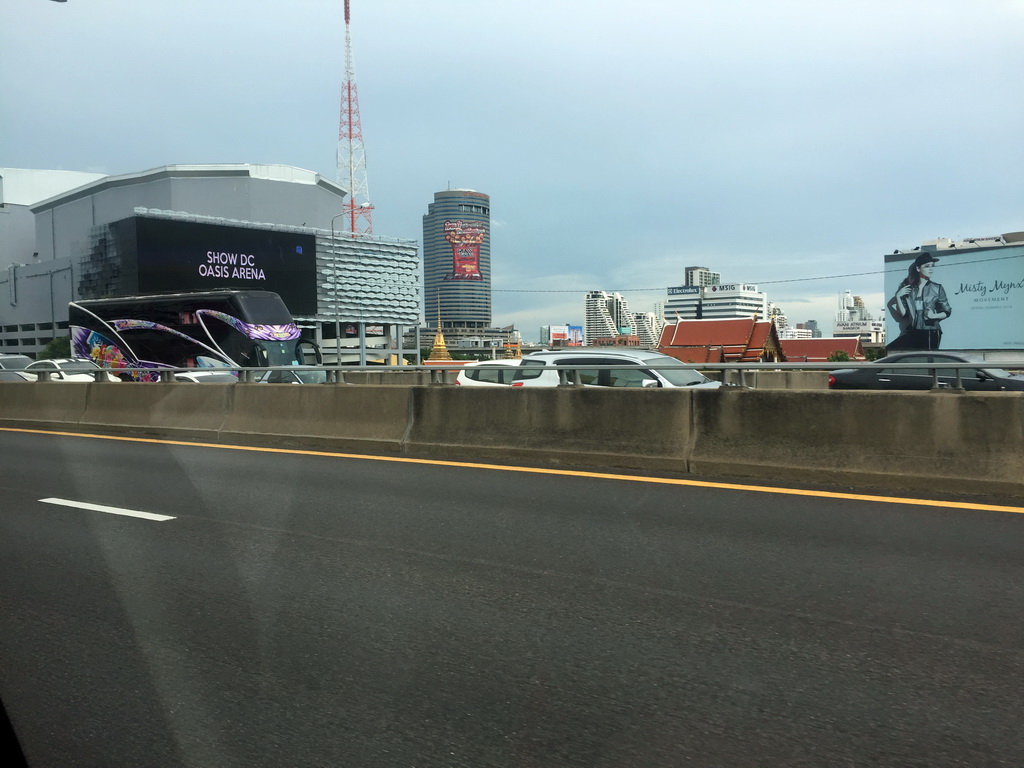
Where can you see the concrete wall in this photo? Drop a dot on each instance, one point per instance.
(33, 303)
(17, 235)
(923, 442)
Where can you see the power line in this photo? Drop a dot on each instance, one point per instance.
(758, 282)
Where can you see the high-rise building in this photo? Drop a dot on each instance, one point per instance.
(701, 276)
(648, 328)
(606, 315)
(854, 320)
(457, 262)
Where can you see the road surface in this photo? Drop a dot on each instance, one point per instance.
(287, 608)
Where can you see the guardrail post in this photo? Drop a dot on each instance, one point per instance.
(435, 376)
(166, 377)
(563, 377)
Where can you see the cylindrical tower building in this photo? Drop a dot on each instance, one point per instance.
(457, 262)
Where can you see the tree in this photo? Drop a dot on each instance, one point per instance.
(873, 353)
(839, 356)
(59, 347)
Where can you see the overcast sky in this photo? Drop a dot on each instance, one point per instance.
(769, 140)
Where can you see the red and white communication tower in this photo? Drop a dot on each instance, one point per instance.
(351, 153)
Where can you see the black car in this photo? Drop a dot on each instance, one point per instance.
(980, 379)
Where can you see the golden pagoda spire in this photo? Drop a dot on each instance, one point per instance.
(439, 352)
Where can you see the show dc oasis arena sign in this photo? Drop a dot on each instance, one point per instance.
(177, 255)
(234, 265)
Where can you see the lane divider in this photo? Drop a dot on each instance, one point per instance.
(548, 471)
(108, 510)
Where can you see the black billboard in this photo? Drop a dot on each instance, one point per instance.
(190, 256)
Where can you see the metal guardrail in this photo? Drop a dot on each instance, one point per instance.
(568, 374)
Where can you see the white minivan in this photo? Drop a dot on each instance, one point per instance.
(640, 369)
(487, 373)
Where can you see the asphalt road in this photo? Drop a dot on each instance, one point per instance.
(303, 610)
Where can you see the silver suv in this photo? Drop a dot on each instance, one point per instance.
(639, 369)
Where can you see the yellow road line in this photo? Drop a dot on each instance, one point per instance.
(547, 471)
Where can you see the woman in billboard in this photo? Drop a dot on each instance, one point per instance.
(919, 305)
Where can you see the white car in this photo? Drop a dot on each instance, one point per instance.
(487, 373)
(207, 376)
(67, 369)
(640, 369)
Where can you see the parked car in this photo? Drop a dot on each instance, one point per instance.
(207, 376)
(983, 378)
(639, 369)
(14, 362)
(8, 375)
(487, 373)
(67, 369)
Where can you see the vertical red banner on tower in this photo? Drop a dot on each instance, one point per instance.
(465, 238)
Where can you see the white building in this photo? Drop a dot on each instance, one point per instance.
(605, 315)
(701, 276)
(648, 328)
(789, 334)
(853, 320)
(715, 302)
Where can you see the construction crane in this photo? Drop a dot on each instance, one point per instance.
(351, 153)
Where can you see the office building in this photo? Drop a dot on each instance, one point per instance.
(701, 276)
(457, 263)
(715, 302)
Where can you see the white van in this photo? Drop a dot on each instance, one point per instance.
(639, 369)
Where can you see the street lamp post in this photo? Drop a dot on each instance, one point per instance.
(349, 210)
(337, 316)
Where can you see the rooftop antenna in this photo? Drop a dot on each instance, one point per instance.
(351, 153)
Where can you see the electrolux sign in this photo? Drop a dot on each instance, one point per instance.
(189, 256)
(984, 295)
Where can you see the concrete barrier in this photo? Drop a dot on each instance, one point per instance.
(335, 417)
(916, 441)
(942, 441)
(46, 405)
(581, 427)
(178, 410)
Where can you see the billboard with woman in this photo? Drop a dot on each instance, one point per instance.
(955, 298)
